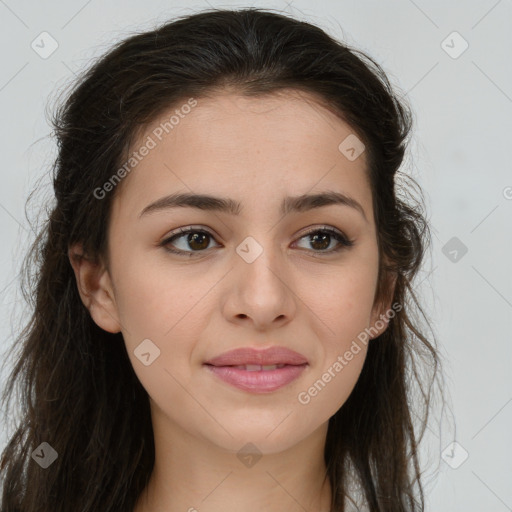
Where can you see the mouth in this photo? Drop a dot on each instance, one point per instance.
(251, 357)
(258, 367)
(258, 370)
(255, 378)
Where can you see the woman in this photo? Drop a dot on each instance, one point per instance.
(221, 316)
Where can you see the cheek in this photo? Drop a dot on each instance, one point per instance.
(169, 309)
(342, 313)
(161, 311)
(330, 388)
(158, 301)
(341, 301)
(341, 304)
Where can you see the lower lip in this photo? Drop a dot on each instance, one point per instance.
(262, 381)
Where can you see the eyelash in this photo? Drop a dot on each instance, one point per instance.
(340, 237)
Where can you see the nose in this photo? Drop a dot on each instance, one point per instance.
(259, 290)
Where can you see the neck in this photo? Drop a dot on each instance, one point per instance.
(192, 474)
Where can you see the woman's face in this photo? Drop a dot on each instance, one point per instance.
(250, 278)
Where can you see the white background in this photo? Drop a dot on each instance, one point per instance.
(460, 156)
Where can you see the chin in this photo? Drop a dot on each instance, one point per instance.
(268, 437)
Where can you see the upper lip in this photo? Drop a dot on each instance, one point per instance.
(263, 357)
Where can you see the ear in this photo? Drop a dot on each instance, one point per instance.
(95, 289)
(379, 320)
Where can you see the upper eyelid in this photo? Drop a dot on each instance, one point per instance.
(188, 229)
(182, 231)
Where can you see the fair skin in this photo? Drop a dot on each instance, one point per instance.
(255, 151)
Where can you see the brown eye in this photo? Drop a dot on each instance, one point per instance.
(197, 240)
(321, 239)
(193, 240)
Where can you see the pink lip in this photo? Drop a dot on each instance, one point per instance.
(258, 381)
(269, 356)
(263, 381)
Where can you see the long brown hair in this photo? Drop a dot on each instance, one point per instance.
(78, 391)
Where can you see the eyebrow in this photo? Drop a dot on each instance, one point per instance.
(290, 204)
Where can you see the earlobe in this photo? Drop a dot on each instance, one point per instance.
(95, 289)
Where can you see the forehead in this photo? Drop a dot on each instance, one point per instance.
(246, 148)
